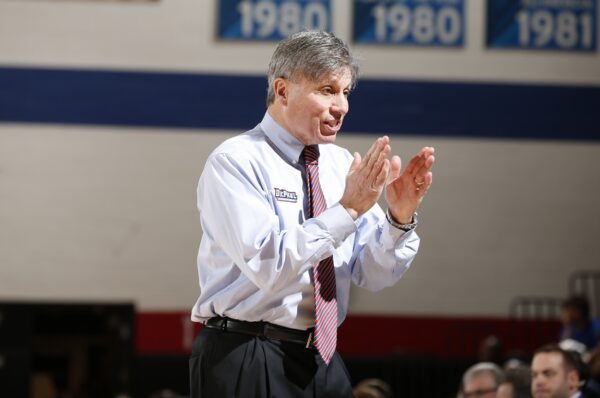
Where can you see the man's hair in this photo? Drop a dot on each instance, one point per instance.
(580, 303)
(481, 368)
(520, 379)
(311, 54)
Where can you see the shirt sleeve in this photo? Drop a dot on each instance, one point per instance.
(382, 253)
(237, 214)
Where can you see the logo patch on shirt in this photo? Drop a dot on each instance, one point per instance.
(285, 196)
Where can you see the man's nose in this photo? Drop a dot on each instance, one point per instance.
(339, 105)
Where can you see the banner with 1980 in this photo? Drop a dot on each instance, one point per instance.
(410, 22)
(271, 19)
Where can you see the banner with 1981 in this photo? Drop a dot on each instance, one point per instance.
(271, 19)
(565, 25)
(410, 22)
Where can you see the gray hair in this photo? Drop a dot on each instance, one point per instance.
(484, 367)
(311, 54)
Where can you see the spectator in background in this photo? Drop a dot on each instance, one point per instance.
(490, 350)
(515, 360)
(481, 381)
(164, 394)
(516, 384)
(556, 373)
(592, 387)
(372, 388)
(576, 322)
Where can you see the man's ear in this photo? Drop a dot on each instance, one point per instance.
(573, 380)
(280, 88)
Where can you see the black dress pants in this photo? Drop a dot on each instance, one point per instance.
(228, 364)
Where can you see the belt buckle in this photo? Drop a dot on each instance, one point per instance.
(224, 324)
(309, 339)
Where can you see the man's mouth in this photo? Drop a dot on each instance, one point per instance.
(333, 125)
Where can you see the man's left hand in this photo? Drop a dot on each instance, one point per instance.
(404, 191)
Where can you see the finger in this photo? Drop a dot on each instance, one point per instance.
(381, 178)
(395, 167)
(379, 163)
(355, 163)
(378, 181)
(422, 190)
(423, 176)
(370, 152)
(375, 156)
(424, 169)
(420, 160)
(427, 151)
(414, 164)
(428, 179)
(429, 162)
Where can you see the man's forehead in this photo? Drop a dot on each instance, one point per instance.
(482, 378)
(341, 76)
(546, 360)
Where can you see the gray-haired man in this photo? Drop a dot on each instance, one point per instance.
(290, 220)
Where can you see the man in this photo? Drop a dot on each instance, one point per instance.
(555, 373)
(289, 221)
(576, 322)
(516, 384)
(481, 380)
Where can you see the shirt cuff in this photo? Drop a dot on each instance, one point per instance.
(338, 222)
(392, 235)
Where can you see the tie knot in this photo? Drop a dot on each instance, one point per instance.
(310, 154)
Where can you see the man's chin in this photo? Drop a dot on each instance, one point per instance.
(328, 138)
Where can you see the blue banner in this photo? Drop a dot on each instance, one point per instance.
(564, 25)
(271, 19)
(410, 22)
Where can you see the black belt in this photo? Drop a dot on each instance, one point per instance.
(262, 329)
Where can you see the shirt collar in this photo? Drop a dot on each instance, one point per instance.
(287, 144)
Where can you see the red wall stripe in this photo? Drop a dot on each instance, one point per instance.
(364, 335)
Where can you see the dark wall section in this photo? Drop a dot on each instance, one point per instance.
(66, 349)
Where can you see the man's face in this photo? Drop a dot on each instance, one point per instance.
(314, 111)
(482, 385)
(570, 315)
(549, 377)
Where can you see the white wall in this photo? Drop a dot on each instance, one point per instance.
(180, 35)
(109, 213)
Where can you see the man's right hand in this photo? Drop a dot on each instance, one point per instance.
(366, 178)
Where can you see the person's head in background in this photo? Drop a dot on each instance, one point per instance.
(516, 384)
(490, 350)
(481, 380)
(594, 364)
(577, 326)
(575, 311)
(372, 388)
(555, 373)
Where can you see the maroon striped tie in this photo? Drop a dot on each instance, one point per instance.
(323, 272)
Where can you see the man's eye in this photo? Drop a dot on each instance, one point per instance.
(327, 90)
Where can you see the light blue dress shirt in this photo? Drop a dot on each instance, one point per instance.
(258, 246)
